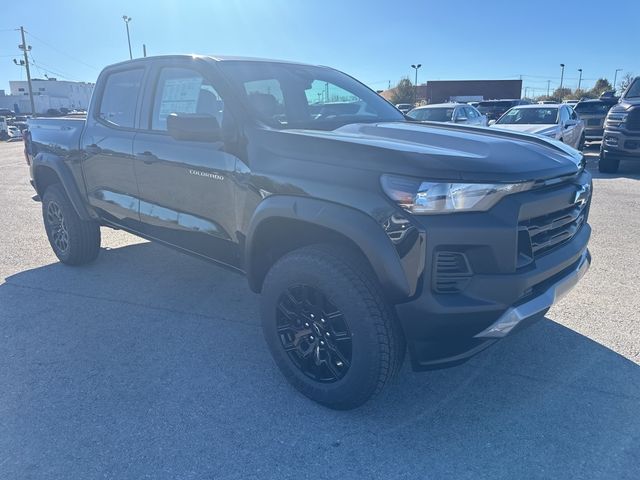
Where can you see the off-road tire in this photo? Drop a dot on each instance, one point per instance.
(74, 241)
(345, 278)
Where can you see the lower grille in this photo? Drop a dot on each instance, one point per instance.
(451, 272)
(554, 229)
(633, 121)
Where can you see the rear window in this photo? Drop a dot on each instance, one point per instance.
(592, 107)
(119, 98)
(496, 104)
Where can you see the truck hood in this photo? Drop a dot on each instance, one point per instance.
(437, 151)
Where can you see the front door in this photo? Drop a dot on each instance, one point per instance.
(187, 188)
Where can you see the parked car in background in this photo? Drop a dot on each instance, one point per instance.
(593, 112)
(14, 133)
(4, 133)
(571, 103)
(494, 109)
(404, 107)
(5, 112)
(621, 139)
(449, 112)
(557, 121)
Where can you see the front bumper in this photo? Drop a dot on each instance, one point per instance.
(503, 290)
(519, 314)
(621, 144)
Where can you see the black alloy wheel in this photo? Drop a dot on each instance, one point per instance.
(314, 333)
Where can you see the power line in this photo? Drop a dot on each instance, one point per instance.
(42, 68)
(62, 52)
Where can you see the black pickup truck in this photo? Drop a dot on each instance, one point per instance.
(366, 234)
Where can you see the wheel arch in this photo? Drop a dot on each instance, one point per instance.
(282, 223)
(49, 169)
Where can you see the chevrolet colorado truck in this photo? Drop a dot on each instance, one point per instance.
(366, 235)
(621, 140)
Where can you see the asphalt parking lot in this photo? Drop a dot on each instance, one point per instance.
(151, 364)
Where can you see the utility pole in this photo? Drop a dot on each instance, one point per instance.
(615, 77)
(144, 50)
(580, 79)
(126, 22)
(415, 85)
(561, 77)
(26, 48)
(548, 87)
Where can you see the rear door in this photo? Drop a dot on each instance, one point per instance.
(187, 188)
(107, 142)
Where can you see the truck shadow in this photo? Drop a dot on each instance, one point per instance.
(151, 349)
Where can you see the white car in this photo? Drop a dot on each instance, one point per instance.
(14, 133)
(557, 121)
(450, 113)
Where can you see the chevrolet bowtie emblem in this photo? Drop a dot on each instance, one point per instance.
(582, 195)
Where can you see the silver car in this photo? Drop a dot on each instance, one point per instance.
(450, 113)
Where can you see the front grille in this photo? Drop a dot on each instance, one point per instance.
(633, 120)
(554, 229)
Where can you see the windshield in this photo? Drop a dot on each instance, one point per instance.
(592, 107)
(634, 89)
(529, 116)
(300, 96)
(440, 114)
(493, 106)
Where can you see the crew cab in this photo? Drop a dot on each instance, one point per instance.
(621, 139)
(366, 235)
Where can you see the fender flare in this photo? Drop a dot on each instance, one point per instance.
(57, 164)
(353, 224)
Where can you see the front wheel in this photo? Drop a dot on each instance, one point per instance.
(328, 327)
(73, 240)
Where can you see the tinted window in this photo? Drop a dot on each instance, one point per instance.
(119, 98)
(185, 91)
(528, 116)
(437, 114)
(471, 112)
(593, 107)
(302, 96)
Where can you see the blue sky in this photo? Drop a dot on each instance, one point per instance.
(373, 41)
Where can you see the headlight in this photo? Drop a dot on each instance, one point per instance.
(428, 198)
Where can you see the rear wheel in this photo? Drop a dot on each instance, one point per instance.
(328, 327)
(73, 240)
(607, 164)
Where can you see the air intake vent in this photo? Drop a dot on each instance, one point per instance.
(451, 272)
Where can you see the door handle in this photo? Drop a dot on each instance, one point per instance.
(147, 157)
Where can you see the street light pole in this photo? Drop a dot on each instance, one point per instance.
(615, 77)
(561, 77)
(580, 79)
(126, 22)
(415, 85)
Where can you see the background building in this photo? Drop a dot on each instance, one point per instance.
(47, 94)
(441, 91)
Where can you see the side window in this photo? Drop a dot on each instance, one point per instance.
(460, 113)
(266, 100)
(471, 113)
(181, 90)
(120, 97)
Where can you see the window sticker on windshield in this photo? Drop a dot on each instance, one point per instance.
(180, 95)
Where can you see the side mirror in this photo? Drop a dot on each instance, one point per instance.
(491, 122)
(193, 126)
(570, 123)
(461, 119)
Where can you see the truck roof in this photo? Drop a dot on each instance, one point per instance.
(215, 58)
